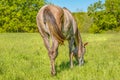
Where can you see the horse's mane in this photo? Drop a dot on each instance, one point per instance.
(66, 9)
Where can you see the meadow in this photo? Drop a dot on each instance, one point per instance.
(24, 57)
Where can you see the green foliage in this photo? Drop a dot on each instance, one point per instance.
(83, 21)
(94, 29)
(105, 16)
(19, 15)
(23, 57)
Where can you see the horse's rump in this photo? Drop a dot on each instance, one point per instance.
(49, 19)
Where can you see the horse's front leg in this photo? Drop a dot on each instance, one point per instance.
(71, 42)
(71, 60)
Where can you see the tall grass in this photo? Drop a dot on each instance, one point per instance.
(24, 57)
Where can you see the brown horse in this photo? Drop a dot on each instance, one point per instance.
(58, 24)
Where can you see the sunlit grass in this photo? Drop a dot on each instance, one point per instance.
(24, 57)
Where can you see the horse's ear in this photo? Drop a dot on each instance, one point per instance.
(85, 44)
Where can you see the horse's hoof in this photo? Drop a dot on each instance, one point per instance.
(53, 73)
(81, 64)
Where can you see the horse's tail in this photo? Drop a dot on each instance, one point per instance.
(53, 27)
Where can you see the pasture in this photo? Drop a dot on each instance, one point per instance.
(24, 57)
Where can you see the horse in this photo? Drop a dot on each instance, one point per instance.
(55, 25)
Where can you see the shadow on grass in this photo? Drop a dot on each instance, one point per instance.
(66, 66)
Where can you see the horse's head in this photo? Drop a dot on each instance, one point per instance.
(79, 53)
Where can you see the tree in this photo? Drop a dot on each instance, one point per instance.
(105, 16)
(95, 11)
(113, 8)
(19, 15)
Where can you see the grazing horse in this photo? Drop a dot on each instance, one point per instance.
(57, 24)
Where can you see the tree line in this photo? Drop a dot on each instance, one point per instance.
(20, 16)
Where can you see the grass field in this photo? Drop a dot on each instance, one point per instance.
(24, 57)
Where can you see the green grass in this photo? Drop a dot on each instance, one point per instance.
(24, 57)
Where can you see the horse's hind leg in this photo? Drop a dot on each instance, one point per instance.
(53, 54)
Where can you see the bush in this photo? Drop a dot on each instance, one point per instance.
(94, 29)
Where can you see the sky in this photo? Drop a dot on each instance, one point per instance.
(74, 5)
